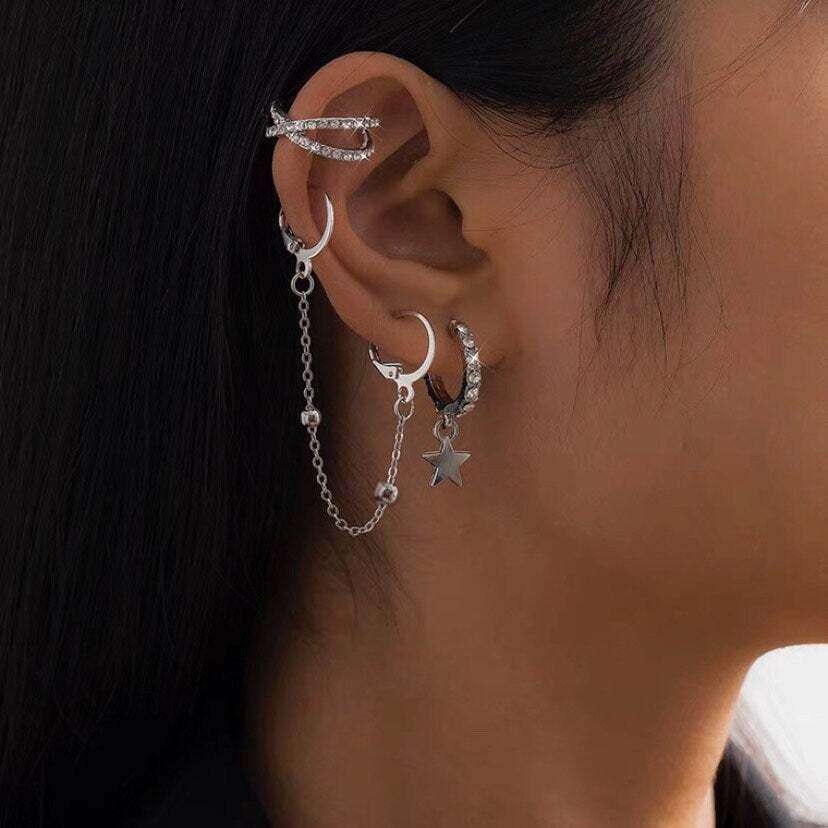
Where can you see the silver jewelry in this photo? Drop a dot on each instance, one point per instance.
(447, 460)
(302, 284)
(294, 130)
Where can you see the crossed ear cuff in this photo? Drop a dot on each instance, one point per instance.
(446, 460)
(294, 130)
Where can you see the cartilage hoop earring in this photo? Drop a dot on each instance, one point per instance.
(446, 461)
(302, 284)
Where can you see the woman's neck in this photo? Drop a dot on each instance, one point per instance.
(497, 685)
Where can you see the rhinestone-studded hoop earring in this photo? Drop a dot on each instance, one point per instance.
(446, 461)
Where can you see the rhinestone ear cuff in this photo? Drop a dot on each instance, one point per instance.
(294, 130)
(446, 461)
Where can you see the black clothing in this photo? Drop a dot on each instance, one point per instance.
(213, 792)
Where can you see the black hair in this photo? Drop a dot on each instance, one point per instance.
(148, 366)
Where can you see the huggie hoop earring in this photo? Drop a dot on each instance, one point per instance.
(302, 284)
(447, 460)
(393, 370)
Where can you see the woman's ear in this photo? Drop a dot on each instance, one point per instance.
(401, 238)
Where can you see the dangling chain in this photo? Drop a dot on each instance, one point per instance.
(385, 493)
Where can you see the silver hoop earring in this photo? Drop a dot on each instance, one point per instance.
(446, 461)
(302, 284)
(294, 130)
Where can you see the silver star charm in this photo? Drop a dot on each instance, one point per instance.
(446, 462)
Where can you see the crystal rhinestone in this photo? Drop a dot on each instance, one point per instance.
(334, 123)
(469, 406)
(472, 394)
(312, 125)
(348, 124)
(386, 493)
(467, 341)
(474, 377)
(311, 417)
(460, 329)
(327, 152)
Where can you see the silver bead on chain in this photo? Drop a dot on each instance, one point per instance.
(385, 493)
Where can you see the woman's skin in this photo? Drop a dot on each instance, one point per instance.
(561, 641)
